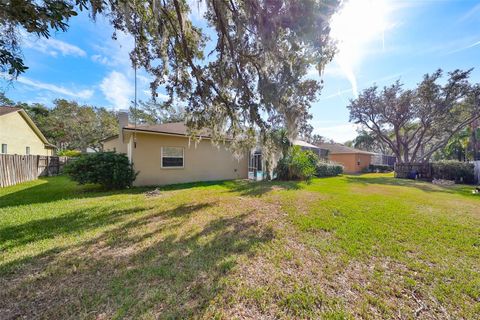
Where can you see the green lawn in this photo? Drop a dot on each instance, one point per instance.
(366, 246)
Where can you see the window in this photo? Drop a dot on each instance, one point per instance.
(4, 148)
(172, 157)
(27, 150)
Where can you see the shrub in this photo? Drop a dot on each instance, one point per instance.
(109, 169)
(297, 165)
(69, 153)
(460, 172)
(328, 169)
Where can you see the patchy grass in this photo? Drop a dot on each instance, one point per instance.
(348, 247)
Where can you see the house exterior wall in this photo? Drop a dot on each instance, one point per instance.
(203, 162)
(18, 135)
(350, 161)
(114, 145)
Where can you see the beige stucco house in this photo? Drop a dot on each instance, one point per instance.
(164, 154)
(20, 135)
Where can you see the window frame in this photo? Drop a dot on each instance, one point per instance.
(27, 150)
(6, 148)
(182, 157)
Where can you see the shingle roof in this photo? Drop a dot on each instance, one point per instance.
(178, 128)
(304, 144)
(334, 148)
(7, 110)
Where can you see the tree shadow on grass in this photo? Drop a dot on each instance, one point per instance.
(57, 188)
(142, 268)
(244, 187)
(421, 185)
(52, 189)
(71, 222)
(259, 188)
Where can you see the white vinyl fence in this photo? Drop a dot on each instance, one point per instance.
(477, 171)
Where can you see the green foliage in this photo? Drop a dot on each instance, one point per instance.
(151, 112)
(37, 17)
(297, 165)
(70, 125)
(109, 169)
(461, 172)
(69, 153)
(462, 146)
(249, 68)
(431, 114)
(367, 140)
(328, 169)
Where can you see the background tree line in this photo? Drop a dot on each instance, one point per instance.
(439, 119)
(73, 126)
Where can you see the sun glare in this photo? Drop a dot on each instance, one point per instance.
(358, 24)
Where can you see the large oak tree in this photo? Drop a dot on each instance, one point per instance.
(415, 123)
(253, 76)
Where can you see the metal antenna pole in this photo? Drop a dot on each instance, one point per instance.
(135, 76)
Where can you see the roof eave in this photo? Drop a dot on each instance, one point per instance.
(168, 133)
(32, 124)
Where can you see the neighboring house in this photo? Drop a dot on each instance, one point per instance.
(164, 154)
(353, 160)
(20, 135)
(321, 153)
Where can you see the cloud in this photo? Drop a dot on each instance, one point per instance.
(117, 90)
(100, 59)
(52, 47)
(114, 53)
(340, 132)
(83, 94)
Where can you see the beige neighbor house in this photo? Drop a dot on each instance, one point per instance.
(20, 135)
(353, 160)
(164, 154)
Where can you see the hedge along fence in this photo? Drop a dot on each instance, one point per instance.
(460, 172)
(328, 169)
(16, 169)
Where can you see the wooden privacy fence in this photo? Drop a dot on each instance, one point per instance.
(16, 169)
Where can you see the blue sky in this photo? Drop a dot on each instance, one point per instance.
(381, 40)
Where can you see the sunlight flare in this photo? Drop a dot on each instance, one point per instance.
(354, 27)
